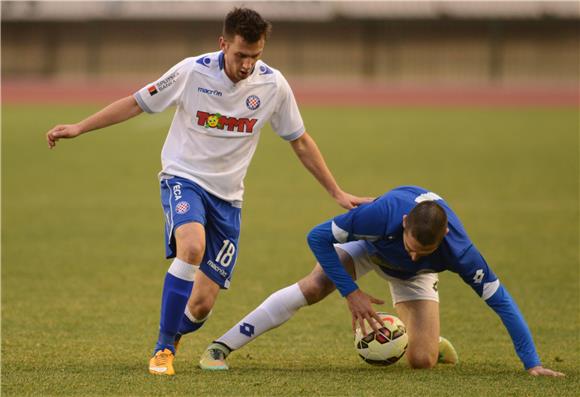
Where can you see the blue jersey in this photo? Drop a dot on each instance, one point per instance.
(380, 224)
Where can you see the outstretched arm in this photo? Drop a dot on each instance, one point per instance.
(505, 307)
(475, 272)
(116, 112)
(308, 153)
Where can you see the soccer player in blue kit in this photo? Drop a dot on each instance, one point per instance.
(406, 236)
(223, 99)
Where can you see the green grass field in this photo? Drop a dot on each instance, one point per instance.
(82, 253)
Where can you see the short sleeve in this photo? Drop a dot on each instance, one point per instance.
(157, 96)
(286, 120)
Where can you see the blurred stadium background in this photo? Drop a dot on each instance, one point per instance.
(394, 48)
(82, 259)
(81, 226)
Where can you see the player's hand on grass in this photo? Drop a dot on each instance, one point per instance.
(62, 131)
(541, 371)
(359, 304)
(348, 201)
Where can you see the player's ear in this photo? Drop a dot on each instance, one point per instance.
(404, 221)
(446, 231)
(222, 42)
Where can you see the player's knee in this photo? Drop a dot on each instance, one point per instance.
(192, 251)
(190, 243)
(316, 287)
(421, 359)
(200, 309)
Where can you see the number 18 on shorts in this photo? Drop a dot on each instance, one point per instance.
(183, 202)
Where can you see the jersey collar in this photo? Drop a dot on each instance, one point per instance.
(229, 83)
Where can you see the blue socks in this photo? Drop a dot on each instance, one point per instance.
(176, 290)
(189, 324)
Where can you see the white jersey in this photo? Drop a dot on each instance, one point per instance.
(216, 127)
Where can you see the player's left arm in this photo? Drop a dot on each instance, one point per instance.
(307, 151)
(287, 122)
(474, 270)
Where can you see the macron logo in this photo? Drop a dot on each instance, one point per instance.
(209, 92)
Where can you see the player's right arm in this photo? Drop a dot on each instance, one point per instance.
(116, 112)
(365, 221)
(155, 97)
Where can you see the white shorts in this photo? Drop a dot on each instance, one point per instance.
(420, 287)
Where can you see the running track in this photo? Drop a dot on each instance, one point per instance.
(308, 93)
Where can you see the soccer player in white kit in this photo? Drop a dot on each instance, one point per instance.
(223, 100)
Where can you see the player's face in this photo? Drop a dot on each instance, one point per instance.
(415, 249)
(240, 57)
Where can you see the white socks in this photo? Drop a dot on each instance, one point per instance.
(182, 269)
(273, 312)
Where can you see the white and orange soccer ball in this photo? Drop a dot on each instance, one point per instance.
(385, 347)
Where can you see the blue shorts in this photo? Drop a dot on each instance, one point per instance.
(184, 202)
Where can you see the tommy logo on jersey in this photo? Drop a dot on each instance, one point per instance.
(253, 102)
(216, 120)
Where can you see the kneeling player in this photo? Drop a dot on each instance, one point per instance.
(406, 236)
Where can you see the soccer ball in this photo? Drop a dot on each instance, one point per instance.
(386, 347)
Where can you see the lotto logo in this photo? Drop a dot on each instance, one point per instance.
(182, 207)
(247, 329)
(478, 278)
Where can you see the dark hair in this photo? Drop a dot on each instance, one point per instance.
(427, 223)
(246, 23)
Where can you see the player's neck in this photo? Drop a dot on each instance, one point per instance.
(229, 76)
(235, 81)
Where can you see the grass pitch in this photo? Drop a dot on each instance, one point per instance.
(82, 257)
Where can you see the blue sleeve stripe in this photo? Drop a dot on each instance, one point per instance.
(321, 242)
(295, 135)
(141, 103)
